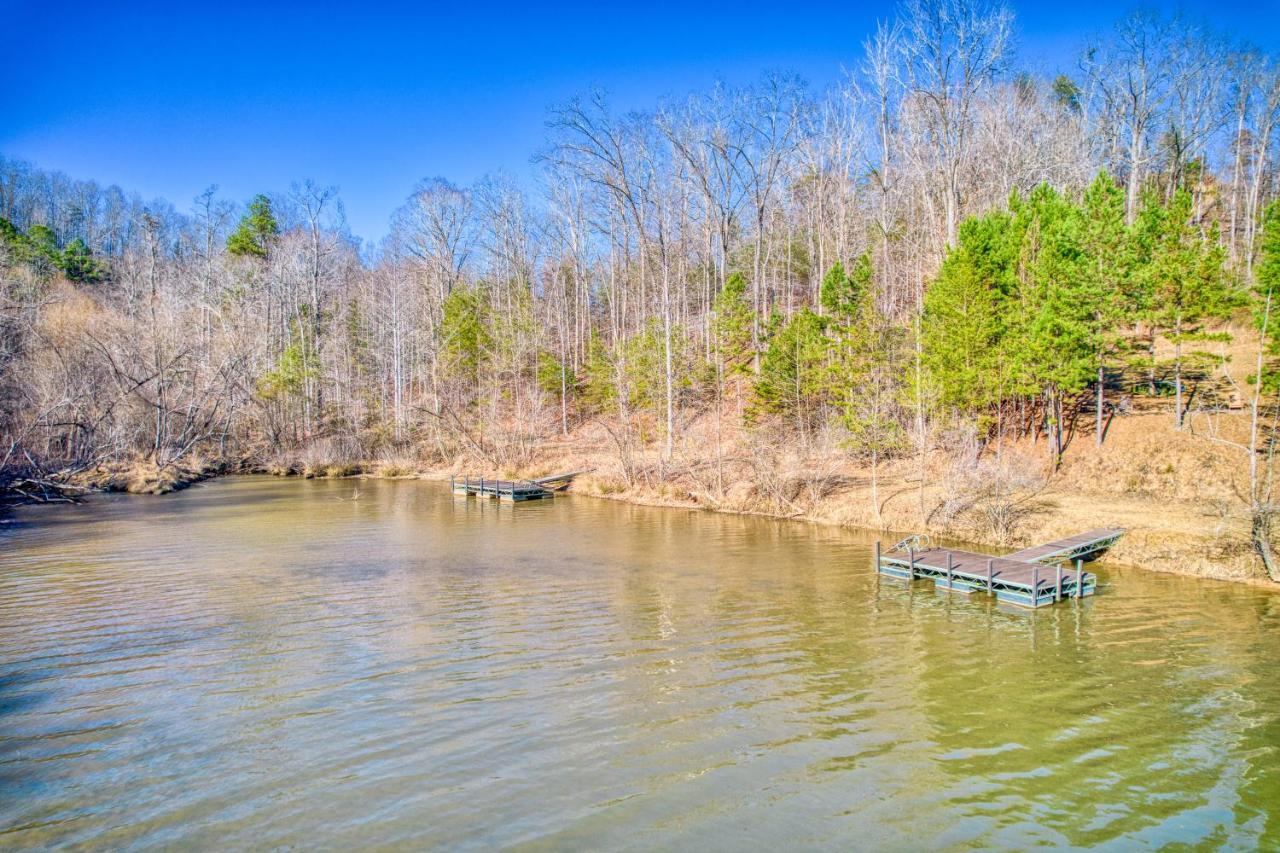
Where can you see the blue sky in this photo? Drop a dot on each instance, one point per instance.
(168, 99)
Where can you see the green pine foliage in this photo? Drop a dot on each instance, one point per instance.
(256, 230)
(599, 385)
(1267, 293)
(794, 379)
(1108, 264)
(732, 324)
(38, 249)
(466, 341)
(1054, 348)
(553, 375)
(79, 264)
(644, 368)
(866, 378)
(968, 311)
(297, 364)
(1032, 303)
(1181, 281)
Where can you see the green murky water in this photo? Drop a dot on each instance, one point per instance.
(265, 663)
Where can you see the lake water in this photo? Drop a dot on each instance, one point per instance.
(262, 663)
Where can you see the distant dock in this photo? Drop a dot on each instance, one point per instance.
(511, 490)
(1033, 577)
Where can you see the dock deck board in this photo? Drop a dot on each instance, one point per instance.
(970, 565)
(507, 490)
(1069, 547)
(1032, 577)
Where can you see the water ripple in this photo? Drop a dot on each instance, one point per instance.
(253, 663)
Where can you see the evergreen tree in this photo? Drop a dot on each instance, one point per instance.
(256, 231)
(465, 340)
(1267, 293)
(1066, 93)
(1109, 266)
(296, 364)
(1183, 282)
(1055, 350)
(847, 299)
(966, 313)
(843, 295)
(644, 367)
(599, 383)
(865, 379)
(79, 265)
(732, 324)
(793, 375)
(43, 254)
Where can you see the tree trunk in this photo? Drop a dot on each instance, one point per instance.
(1098, 410)
(1177, 374)
(1151, 369)
(1260, 538)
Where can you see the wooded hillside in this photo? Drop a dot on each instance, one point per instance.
(945, 252)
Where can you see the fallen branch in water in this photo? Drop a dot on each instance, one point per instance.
(29, 489)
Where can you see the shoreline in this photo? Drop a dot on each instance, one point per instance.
(1163, 535)
(893, 533)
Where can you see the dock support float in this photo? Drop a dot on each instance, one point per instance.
(501, 490)
(1020, 576)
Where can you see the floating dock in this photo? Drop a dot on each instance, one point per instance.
(1033, 577)
(505, 490)
(511, 490)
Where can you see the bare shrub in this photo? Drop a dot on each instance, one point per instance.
(995, 495)
(787, 479)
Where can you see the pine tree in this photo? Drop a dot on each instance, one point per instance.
(79, 264)
(599, 385)
(1266, 294)
(793, 375)
(1183, 281)
(465, 339)
(848, 303)
(43, 254)
(256, 231)
(966, 311)
(842, 295)
(1055, 350)
(864, 379)
(732, 324)
(1109, 266)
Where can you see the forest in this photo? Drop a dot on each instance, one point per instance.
(942, 256)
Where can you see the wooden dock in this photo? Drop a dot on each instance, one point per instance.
(1083, 546)
(1033, 577)
(511, 490)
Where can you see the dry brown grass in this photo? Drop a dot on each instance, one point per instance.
(146, 477)
(1175, 491)
(391, 469)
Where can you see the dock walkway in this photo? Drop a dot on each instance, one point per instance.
(1032, 577)
(1080, 546)
(512, 490)
(506, 490)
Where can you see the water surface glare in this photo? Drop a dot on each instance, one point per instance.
(262, 663)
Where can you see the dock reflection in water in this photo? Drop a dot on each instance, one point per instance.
(260, 662)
